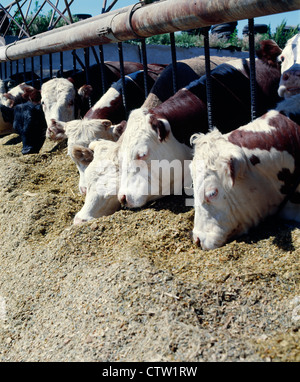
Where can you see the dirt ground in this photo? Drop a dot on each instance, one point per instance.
(132, 286)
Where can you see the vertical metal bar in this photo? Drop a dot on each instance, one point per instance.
(41, 70)
(24, 69)
(50, 66)
(87, 69)
(86, 53)
(102, 66)
(121, 59)
(252, 69)
(74, 61)
(145, 66)
(61, 63)
(174, 62)
(10, 68)
(208, 78)
(95, 55)
(32, 70)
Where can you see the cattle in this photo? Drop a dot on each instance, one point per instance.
(23, 115)
(186, 71)
(97, 123)
(246, 175)
(290, 68)
(111, 74)
(60, 100)
(29, 122)
(102, 176)
(20, 94)
(163, 133)
(82, 134)
(110, 106)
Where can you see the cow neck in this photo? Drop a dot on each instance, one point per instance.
(186, 114)
(186, 111)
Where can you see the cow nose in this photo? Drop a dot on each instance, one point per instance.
(82, 190)
(122, 199)
(197, 242)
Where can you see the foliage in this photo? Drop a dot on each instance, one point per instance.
(194, 39)
(40, 24)
(282, 34)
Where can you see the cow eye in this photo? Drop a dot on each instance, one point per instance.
(71, 103)
(210, 195)
(142, 155)
(282, 58)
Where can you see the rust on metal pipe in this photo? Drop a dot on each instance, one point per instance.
(144, 21)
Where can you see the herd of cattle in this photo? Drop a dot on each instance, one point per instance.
(127, 155)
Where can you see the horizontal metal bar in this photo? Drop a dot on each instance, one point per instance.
(144, 21)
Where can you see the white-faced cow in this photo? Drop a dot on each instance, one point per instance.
(59, 100)
(81, 135)
(60, 97)
(244, 176)
(97, 123)
(163, 133)
(110, 106)
(290, 68)
(102, 176)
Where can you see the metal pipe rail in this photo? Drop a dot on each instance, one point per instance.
(141, 21)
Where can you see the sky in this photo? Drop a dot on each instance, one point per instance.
(94, 7)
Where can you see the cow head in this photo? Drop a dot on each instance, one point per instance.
(214, 173)
(82, 133)
(147, 148)
(234, 187)
(21, 94)
(102, 177)
(290, 68)
(58, 100)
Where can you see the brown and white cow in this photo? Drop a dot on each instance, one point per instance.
(163, 133)
(244, 176)
(81, 135)
(19, 94)
(290, 68)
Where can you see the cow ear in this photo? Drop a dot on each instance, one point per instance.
(32, 95)
(234, 168)
(119, 129)
(85, 91)
(161, 127)
(83, 155)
